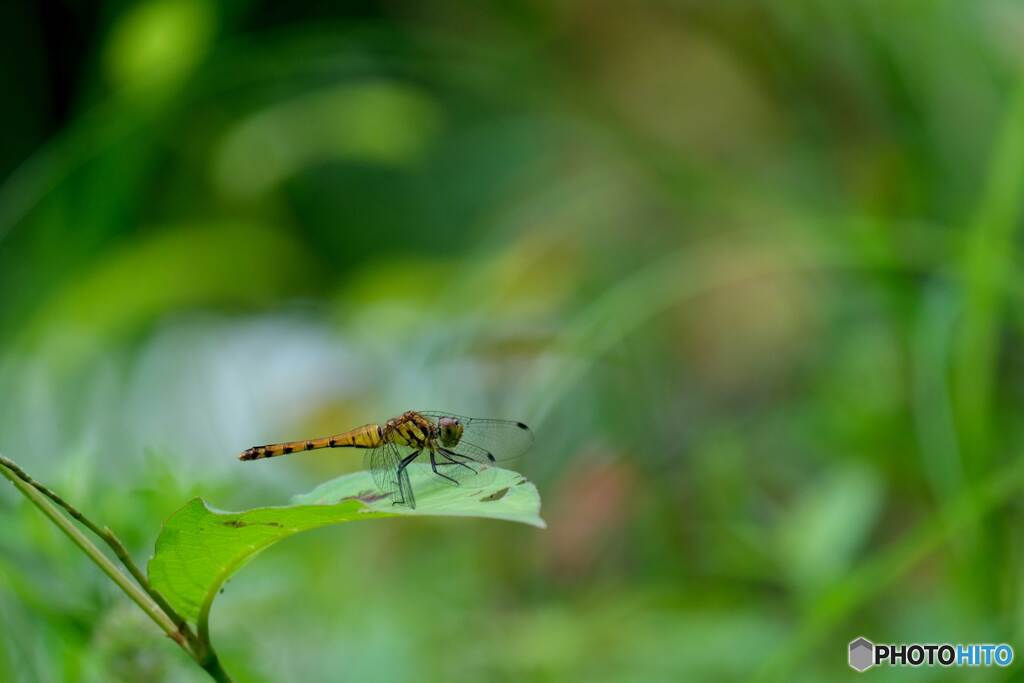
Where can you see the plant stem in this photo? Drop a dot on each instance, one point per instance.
(143, 594)
(207, 658)
(140, 598)
(205, 654)
(111, 539)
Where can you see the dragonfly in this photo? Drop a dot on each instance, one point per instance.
(460, 449)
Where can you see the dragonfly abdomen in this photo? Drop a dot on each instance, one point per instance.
(367, 436)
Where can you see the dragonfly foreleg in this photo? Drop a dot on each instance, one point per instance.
(398, 475)
(433, 466)
(451, 455)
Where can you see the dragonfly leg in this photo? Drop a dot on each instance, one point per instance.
(451, 455)
(433, 466)
(398, 475)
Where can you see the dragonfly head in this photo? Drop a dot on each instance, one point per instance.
(450, 431)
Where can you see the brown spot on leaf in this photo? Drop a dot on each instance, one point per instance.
(367, 496)
(497, 495)
(238, 524)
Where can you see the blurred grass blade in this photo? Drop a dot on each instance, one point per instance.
(987, 265)
(200, 548)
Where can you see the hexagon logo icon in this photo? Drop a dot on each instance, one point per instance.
(862, 653)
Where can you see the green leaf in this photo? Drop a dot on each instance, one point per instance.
(199, 548)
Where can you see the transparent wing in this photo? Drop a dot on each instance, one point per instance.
(383, 463)
(487, 441)
(405, 491)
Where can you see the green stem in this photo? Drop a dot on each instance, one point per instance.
(143, 594)
(205, 654)
(139, 597)
(208, 659)
(115, 544)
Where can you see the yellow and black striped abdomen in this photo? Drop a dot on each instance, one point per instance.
(367, 436)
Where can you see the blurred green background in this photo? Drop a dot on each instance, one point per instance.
(749, 270)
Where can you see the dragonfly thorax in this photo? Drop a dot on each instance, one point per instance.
(411, 429)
